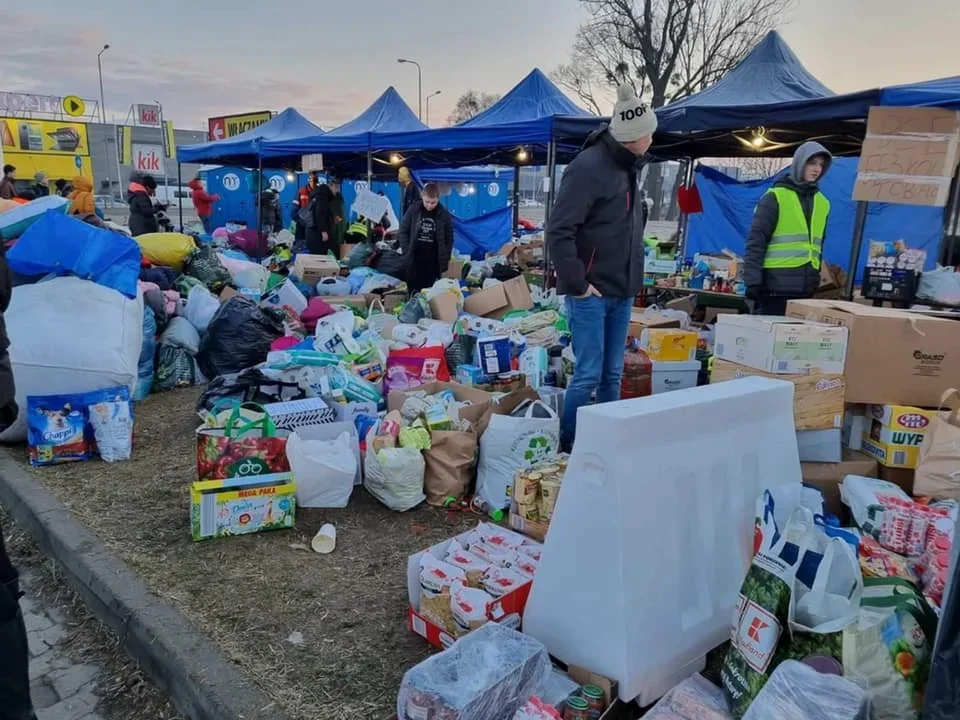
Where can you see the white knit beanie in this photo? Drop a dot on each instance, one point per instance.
(632, 119)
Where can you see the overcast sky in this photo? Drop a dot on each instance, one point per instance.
(330, 59)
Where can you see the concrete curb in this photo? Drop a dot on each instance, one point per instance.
(202, 684)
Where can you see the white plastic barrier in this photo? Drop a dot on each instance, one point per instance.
(652, 532)
(70, 335)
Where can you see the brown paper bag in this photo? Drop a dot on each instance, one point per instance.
(938, 467)
(451, 462)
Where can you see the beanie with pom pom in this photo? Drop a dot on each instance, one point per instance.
(632, 119)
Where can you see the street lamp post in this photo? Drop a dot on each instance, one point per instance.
(419, 85)
(103, 110)
(433, 94)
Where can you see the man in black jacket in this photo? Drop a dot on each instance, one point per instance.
(595, 240)
(321, 238)
(409, 193)
(425, 239)
(785, 244)
(14, 659)
(143, 214)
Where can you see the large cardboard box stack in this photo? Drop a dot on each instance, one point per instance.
(817, 397)
(894, 357)
(780, 345)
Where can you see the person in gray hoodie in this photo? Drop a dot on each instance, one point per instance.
(595, 241)
(784, 248)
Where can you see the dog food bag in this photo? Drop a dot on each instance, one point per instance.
(112, 422)
(57, 429)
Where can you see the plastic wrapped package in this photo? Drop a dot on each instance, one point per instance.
(148, 355)
(394, 475)
(795, 691)
(487, 675)
(204, 264)
(696, 698)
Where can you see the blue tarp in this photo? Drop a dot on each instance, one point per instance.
(728, 211)
(62, 245)
(770, 86)
(243, 149)
(481, 235)
(944, 92)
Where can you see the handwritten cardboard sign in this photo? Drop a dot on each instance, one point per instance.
(908, 156)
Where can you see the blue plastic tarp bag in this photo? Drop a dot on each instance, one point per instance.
(63, 245)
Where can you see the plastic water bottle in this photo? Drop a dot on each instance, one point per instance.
(484, 508)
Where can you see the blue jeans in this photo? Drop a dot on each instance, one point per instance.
(207, 224)
(599, 327)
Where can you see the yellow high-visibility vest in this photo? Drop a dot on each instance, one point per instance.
(794, 243)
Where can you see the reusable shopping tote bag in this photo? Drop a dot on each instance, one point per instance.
(241, 447)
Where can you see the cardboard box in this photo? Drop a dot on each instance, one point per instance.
(507, 608)
(687, 304)
(710, 314)
(454, 270)
(285, 294)
(361, 302)
(616, 708)
(819, 446)
(227, 293)
(478, 397)
(497, 300)
(855, 425)
(895, 434)
(445, 306)
(311, 269)
(392, 298)
(826, 477)
(242, 505)
(641, 319)
(780, 345)
(817, 397)
(677, 375)
(901, 477)
(893, 356)
(669, 345)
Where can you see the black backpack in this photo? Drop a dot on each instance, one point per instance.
(305, 216)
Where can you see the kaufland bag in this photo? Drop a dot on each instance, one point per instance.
(509, 444)
(758, 639)
(938, 467)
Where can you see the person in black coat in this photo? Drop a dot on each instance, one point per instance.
(15, 701)
(409, 192)
(321, 238)
(425, 239)
(143, 214)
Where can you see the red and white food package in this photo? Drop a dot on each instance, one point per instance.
(469, 607)
(537, 709)
(471, 564)
(500, 581)
(435, 575)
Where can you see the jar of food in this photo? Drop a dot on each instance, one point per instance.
(637, 375)
(577, 709)
(596, 702)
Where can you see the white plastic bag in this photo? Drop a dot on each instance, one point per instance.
(333, 286)
(322, 469)
(245, 274)
(513, 443)
(202, 305)
(862, 496)
(775, 508)
(941, 286)
(833, 603)
(798, 692)
(394, 476)
(379, 320)
(409, 334)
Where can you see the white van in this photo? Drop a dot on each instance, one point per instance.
(175, 196)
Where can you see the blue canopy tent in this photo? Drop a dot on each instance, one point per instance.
(942, 93)
(243, 150)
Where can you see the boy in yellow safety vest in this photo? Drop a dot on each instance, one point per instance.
(785, 244)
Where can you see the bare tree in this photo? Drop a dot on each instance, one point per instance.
(665, 49)
(469, 104)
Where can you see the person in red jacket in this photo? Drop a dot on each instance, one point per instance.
(203, 203)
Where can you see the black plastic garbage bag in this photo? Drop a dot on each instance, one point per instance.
(205, 266)
(248, 385)
(238, 337)
(359, 256)
(392, 263)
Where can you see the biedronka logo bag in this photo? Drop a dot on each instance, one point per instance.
(759, 622)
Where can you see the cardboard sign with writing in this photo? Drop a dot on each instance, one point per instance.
(908, 156)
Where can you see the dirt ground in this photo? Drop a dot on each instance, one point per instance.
(250, 594)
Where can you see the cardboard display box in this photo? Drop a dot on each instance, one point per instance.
(311, 269)
(895, 433)
(893, 356)
(497, 300)
(817, 398)
(478, 397)
(669, 345)
(507, 608)
(780, 345)
(826, 477)
(242, 505)
(445, 307)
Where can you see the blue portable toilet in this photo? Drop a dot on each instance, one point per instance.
(238, 193)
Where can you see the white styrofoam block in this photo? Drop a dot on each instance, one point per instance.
(652, 532)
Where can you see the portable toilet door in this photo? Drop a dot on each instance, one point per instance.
(493, 195)
(237, 202)
(285, 184)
